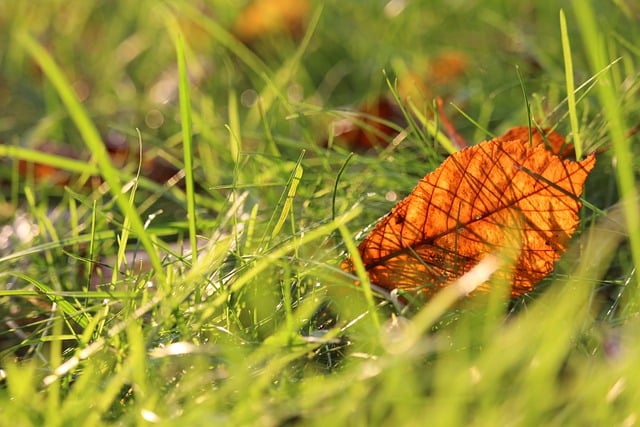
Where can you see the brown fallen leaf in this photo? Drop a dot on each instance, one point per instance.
(373, 127)
(506, 195)
(40, 172)
(375, 123)
(154, 167)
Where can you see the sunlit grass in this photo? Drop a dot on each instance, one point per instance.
(263, 327)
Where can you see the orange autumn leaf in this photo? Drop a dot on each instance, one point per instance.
(506, 195)
(437, 77)
(264, 17)
(447, 67)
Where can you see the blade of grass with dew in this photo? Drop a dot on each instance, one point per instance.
(607, 93)
(92, 138)
(187, 135)
(571, 93)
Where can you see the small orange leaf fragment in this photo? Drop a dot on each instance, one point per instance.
(373, 127)
(508, 195)
(265, 17)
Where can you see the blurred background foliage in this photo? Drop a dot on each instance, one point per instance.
(308, 61)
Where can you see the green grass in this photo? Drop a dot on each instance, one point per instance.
(262, 327)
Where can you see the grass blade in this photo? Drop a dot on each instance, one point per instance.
(55, 161)
(187, 136)
(362, 273)
(294, 180)
(607, 92)
(571, 93)
(94, 142)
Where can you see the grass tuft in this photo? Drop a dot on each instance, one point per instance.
(177, 203)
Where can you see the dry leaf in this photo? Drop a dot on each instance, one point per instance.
(46, 173)
(507, 195)
(447, 67)
(434, 78)
(376, 123)
(371, 127)
(154, 167)
(264, 17)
